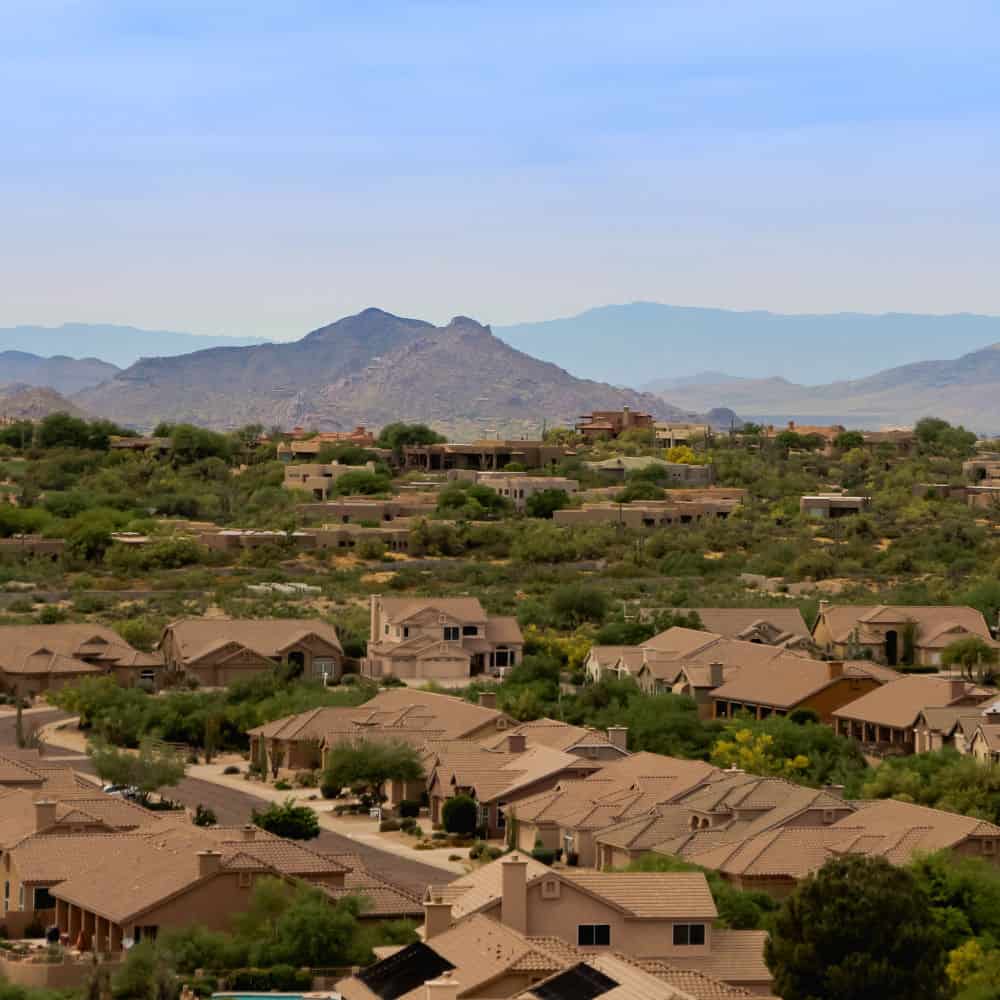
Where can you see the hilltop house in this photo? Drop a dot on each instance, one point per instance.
(609, 424)
(894, 634)
(517, 487)
(218, 651)
(444, 638)
(482, 455)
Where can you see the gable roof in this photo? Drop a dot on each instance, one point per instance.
(843, 619)
(899, 703)
(268, 637)
(67, 649)
(399, 609)
(732, 623)
(550, 733)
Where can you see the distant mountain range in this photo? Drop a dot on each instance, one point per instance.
(964, 390)
(370, 369)
(63, 374)
(117, 345)
(632, 344)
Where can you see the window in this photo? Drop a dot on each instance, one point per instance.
(502, 658)
(20, 898)
(689, 934)
(406, 631)
(594, 935)
(452, 633)
(989, 847)
(470, 630)
(244, 880)
(44, 900)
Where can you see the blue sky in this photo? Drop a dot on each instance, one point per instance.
(263, 168)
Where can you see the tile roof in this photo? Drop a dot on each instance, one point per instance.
(899, 703)
(843, 619)
(482, 886)
(454, 716)
(399, 609)
(269, 637)
(733, 622)
(650, 895)
(735, 957)
(67, 649)
(692, 982)
(550, 733)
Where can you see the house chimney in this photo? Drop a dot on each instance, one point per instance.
(835, 669)
(956, 688)
(488, 699)
(837, 791)
(824, 606)
(516, 742)
(375, 616)
(249, 832)
(514, 899)
(45, 814)
(716, 674)
(442, 988)
(618, 736)
(437, 916)
(209, 862)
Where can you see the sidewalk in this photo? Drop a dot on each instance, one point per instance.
(363, 829)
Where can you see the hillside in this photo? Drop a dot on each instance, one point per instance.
(29, 402)
(632, 344)
(116, 345)
(370, 368)
(964, 390)
(65, 375)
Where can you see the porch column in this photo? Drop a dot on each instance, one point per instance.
(116, 939)
(74, 923)
(62, 915)
(101, 935)
(89, 928)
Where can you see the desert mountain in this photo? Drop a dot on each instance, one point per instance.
(370, 368)
(624, 344)
(964, 390)
(117, 345)
(66, 375)
(31, 402)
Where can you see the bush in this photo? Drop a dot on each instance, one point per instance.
(288, 820)
(306, 779)
(230, 769)
(546, 855)
(409, 808)
(203, 816)
(388, 826)
(282, 786)
(460, 815)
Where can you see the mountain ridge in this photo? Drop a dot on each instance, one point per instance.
(369, 368)
(64, 374)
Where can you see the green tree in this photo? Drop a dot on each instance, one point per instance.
(366, 766)
(288, 820)
(460, 815)
(399, 435)
(576, 603)
(857, 930)
(152, 767)
(545, 503)
(972, 655)
(848, 440)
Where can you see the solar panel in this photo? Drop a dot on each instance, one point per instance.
(582, 982)
(404, 971)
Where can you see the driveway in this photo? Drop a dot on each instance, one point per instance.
(232, 807)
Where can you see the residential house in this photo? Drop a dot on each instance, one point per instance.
(219, 651)
(618, 662)
(647, 514)
(567, 817)
(307, 446)
(517, 487)
(791, 683)
(151, 445)
(981, 469)
(984, 741)
(776, 860)
(38, 658)
(498, 778)
(832, 505)
(645, 915)
(583, 741)
(940, 727)
(25, 548)
(319, 478)
(481, 958)
(673, 434)
(829, 434)
(618, 468)
(444, 639)
(895, 634)
(300, 741)
(730, 806)
(483, 455)
(885, 719)
(768, 626)
(609, 424)
(365, 510)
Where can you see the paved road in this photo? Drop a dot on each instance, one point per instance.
(233, 807)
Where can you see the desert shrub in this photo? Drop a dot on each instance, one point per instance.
(460, 814)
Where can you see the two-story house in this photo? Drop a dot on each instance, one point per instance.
(441, 638)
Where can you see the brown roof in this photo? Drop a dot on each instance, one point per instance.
(67, 649)
(399, 609)
(784, 682)
(843, 619)
(382, 900)
(731, 623)
(269, 637)
(550, 733)
(735, 957)
(454, 716)
(900, 703)
(650, 895)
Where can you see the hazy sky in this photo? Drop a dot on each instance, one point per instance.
(240, 166)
